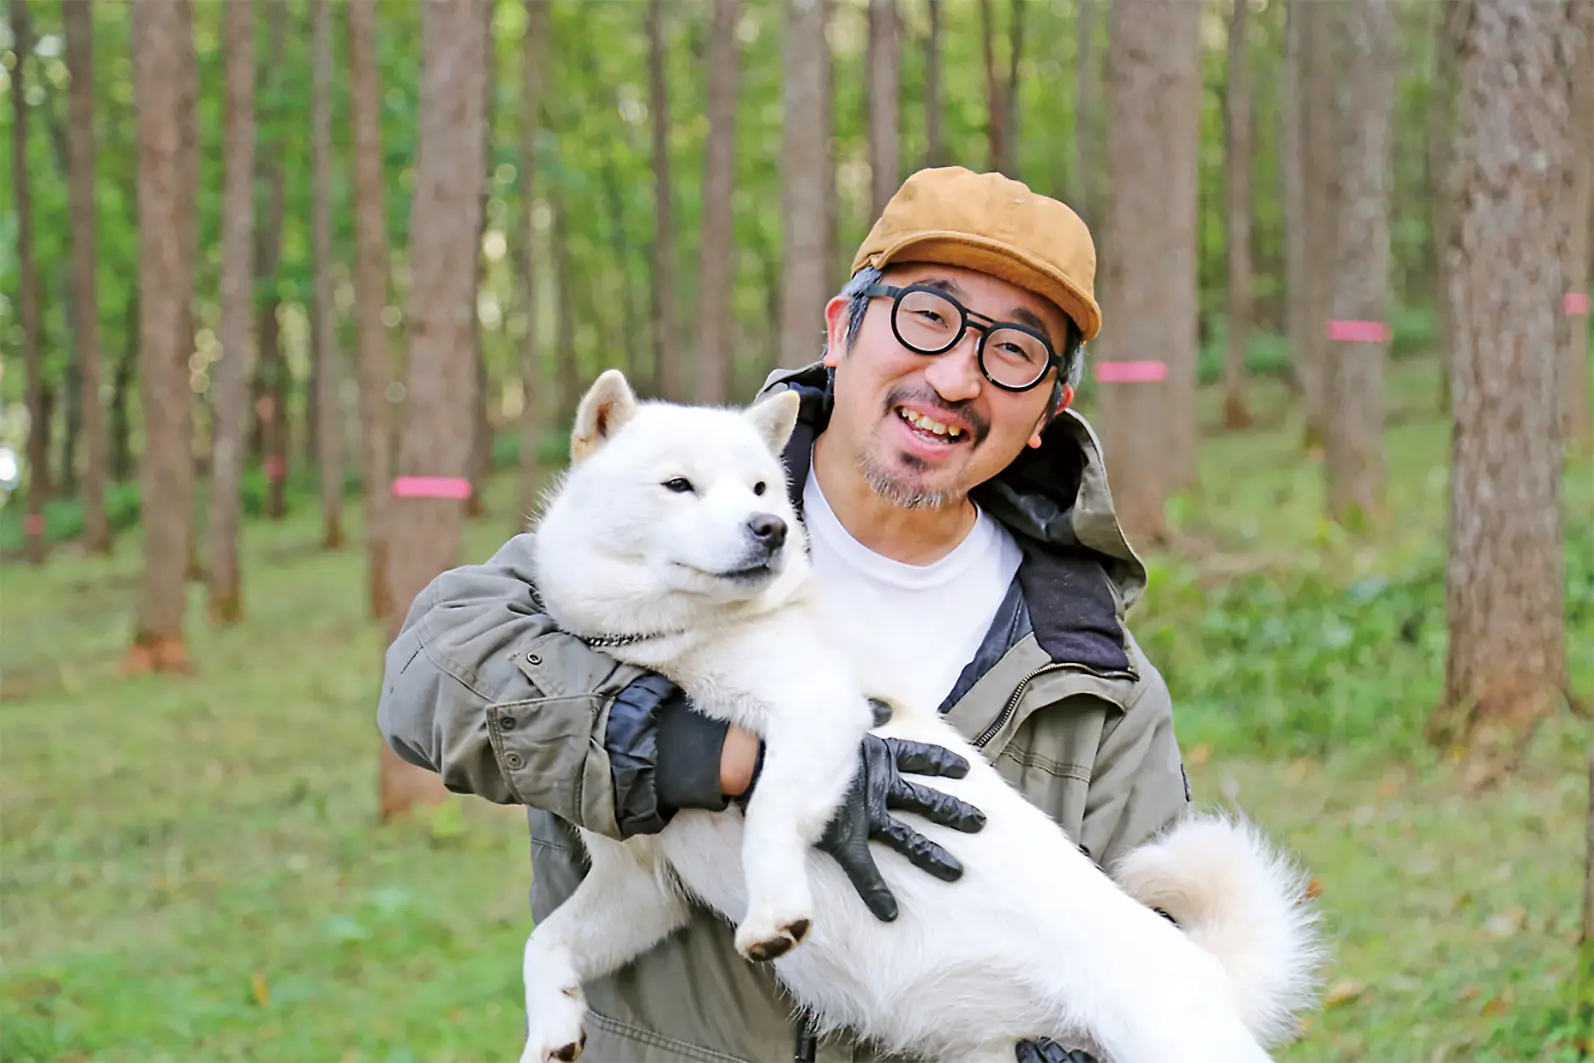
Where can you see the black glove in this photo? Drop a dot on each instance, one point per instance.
(1048, 1051)
(866, 814)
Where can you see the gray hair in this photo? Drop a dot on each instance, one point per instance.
(1073, 353)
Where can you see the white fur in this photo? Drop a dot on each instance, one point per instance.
(1033, 941)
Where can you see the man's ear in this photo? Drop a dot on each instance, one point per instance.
(1063, 400)
(774, 418)
(604, 409)
(835, 330)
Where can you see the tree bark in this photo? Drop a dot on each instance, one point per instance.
(122, 376)
(884, 78)
(328, 421)
(1085, 92)
(1317, 82)
(1441, 121)
(1576, 428)
(670, 368)
(443, 250)
(534, 405)
(79, 26)
(716, 263)
(1505, 580)
(28, 291)
(1015, 54)
(1354, 442)
(995, 110)
(271, 371)
(935, 146)
(165, 85)
(1149, 271)
(233, 371)
(1292, 192)
(371, 295)
(804, 174)
(1237, 171)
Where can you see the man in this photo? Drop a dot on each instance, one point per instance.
(947, 489)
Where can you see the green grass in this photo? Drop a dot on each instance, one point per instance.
(191, 868)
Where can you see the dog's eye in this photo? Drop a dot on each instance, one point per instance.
(679, 484)
(758, 488)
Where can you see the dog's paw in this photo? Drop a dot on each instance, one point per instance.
(557, 1030)
(765, 936)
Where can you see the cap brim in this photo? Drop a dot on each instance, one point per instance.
(999, 260)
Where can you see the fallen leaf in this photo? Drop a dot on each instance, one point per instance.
(1343, 992)
(257, 988)
(1199, 755)
(1470, 992)
(1506, 923)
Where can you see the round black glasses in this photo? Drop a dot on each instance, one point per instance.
(926, 320)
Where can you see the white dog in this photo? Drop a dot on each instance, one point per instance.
(671, 542)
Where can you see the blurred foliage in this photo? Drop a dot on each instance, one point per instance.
(594, 155)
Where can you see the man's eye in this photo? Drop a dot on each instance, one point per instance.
(679, 484)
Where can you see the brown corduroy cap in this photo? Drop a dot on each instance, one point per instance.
(988, 222)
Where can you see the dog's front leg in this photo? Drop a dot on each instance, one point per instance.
(809, 764)
(620, 910)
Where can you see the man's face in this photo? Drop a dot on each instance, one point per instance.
(883, 387)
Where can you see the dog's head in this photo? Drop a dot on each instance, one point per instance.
(664, 503)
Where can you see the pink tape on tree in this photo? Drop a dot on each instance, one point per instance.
(431, 487)
(1358, 331)
(1576, 303)
(33, 524)
(274, 467)
(1131, 372)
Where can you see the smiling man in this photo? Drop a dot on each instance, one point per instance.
(956, 506)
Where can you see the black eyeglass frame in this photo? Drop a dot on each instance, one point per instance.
(981, 323)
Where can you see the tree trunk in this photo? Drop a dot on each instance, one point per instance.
(328, 419)
(1015, 53)
(884, 76)
(444, 250)
(670, 369)
(481, 435)
(1292, 192)
(165, 85)
(272, 376)
(1149, 275)
(1579, 170)
(935, 146)
(534, 403)
(716, 264)
(1317, 81)
(1085, 91)
(371, 295)
(804, 173)
(1358, 331)
(28, 289)
(568, 371)
(237, 313)
(995, 110)
(1237, 170)
(1505, 578)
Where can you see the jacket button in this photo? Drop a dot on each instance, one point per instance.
(533, 658)
(512, 759)
(506, 723)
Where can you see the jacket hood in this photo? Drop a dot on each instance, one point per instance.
(1055, 496)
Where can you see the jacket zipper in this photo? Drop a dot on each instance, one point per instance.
(1018, 692)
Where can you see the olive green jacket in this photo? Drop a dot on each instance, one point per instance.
(482, 688)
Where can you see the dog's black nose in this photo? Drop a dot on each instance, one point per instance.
(768, 529)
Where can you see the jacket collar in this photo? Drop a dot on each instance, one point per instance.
(1079, 574)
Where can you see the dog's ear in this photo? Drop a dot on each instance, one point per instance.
(774, 418)
(606, 406)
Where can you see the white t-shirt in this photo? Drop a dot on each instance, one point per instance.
(931, 618)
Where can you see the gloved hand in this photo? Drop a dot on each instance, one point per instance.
(687, 775)
(865, 814)
(1048, 1051)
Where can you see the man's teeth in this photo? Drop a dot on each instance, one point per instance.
(918, 420)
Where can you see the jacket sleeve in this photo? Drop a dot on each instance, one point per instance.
(481, 687)
(1138, 784)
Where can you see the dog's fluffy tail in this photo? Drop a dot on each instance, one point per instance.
(1245, 902)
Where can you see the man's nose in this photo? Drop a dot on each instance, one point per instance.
(955, 374)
